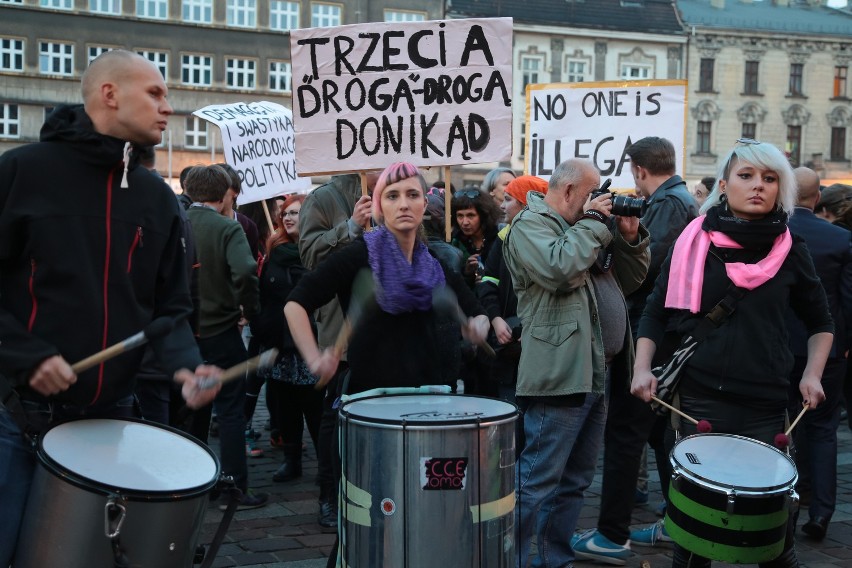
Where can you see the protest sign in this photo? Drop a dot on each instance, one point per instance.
(433, 93)
(598, 121)
(259, 144)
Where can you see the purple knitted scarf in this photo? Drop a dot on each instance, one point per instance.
(401, 287)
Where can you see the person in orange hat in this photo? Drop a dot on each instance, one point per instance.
(515, 196)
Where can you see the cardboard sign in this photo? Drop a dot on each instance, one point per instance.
(598, 121)
(433, 93)
(259, 143)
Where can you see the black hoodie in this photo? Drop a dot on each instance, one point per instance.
(86, 263)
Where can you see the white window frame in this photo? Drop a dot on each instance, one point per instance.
(280, 76)
(197, 133)
(241, 13)
(284, 15)
(50, 59)
(326, 15)
(158, 58)
(197, 11)
(196, 64)
(643, 71)
(404, 16)
(240, 73)
(11, 1)
(7, 124)
(57, 4)
(153, 9)
(111, 7)
(93, 51)
(529, 74)
(572, 75)
(11, 54)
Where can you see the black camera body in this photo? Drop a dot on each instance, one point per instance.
(622, 205)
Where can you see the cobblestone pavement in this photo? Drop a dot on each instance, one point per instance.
(285, 533)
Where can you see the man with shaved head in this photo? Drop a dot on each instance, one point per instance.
(90, 254)
(816, 435)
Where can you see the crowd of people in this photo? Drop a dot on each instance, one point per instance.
(579, 305)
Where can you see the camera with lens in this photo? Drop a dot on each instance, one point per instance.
(622, 205)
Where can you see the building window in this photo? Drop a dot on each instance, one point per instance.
(523, 144)
(156, 9)
(57, 4)
(280, 76)
(531, 66)
(283, 15)
(105, 6)
(796, 70)
(751, 69)
(11, 1)
(242, 13)
(196, 133)
(158, 58)
(198, 11)
(56, 58)
(749, 130)
(325, 15)
(702, 140)
(705, 77)
(9, 122)
(794, 145)
(401, 16)
(576, 72)
(838, 144)
(11, 54)
(840, 73)
(632, 71)
(95, 51)
(197, 70)
(240, 73)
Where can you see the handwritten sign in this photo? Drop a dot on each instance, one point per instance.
(259, 143)
(430, 93)
(598, 121)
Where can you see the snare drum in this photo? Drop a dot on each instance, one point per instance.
(730, 498)
(107, 487)
(428, 480)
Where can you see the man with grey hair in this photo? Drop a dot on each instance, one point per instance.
(570, 264)
(90, 254)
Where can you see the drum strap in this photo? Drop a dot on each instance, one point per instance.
(233, 500)
(12, 401)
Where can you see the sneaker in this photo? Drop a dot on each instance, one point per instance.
(252, 451)
(592, 545)
(328, 514)
(252, 433)
(641, 497)
(249, 501)
(653, 535)
(276, 441)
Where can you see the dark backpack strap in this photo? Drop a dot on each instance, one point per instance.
(10, 399)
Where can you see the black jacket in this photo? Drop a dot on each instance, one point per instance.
(85, 263)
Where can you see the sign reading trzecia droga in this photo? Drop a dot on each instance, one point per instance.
(598, 121)
(259, 143)
(433, 93)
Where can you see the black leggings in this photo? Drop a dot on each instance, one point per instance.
(728, 417)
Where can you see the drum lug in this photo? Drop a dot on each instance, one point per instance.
(732, 499)
(793, 501)
(114, 514)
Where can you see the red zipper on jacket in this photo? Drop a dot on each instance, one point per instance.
(31, 287)
(108, 226)
(137, 241)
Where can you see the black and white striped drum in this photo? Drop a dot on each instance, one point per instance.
(113, 491)
(428, 480)
(730, 498)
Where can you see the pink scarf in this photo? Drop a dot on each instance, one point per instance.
(686, 274)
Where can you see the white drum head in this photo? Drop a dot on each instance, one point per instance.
(734, 462)
(129, 455)
(429, 409)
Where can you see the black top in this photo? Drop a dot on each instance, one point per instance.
(385, 350)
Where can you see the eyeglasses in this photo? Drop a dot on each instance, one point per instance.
(469, 193)
(749, 141)
(290, 214)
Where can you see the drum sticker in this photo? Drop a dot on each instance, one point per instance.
(443, 474)
(388, 507)
(693, 458)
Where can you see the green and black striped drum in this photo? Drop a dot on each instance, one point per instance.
(730, 498)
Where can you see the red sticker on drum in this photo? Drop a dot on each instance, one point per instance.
(388, 507)
(443, 474)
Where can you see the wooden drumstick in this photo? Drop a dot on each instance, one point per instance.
(703, 425)
(265, 359)
(805, 408)
(160, 327)
(444, 301)
(782, 441)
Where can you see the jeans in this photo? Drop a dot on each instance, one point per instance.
(557, 465)
(226, 350)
